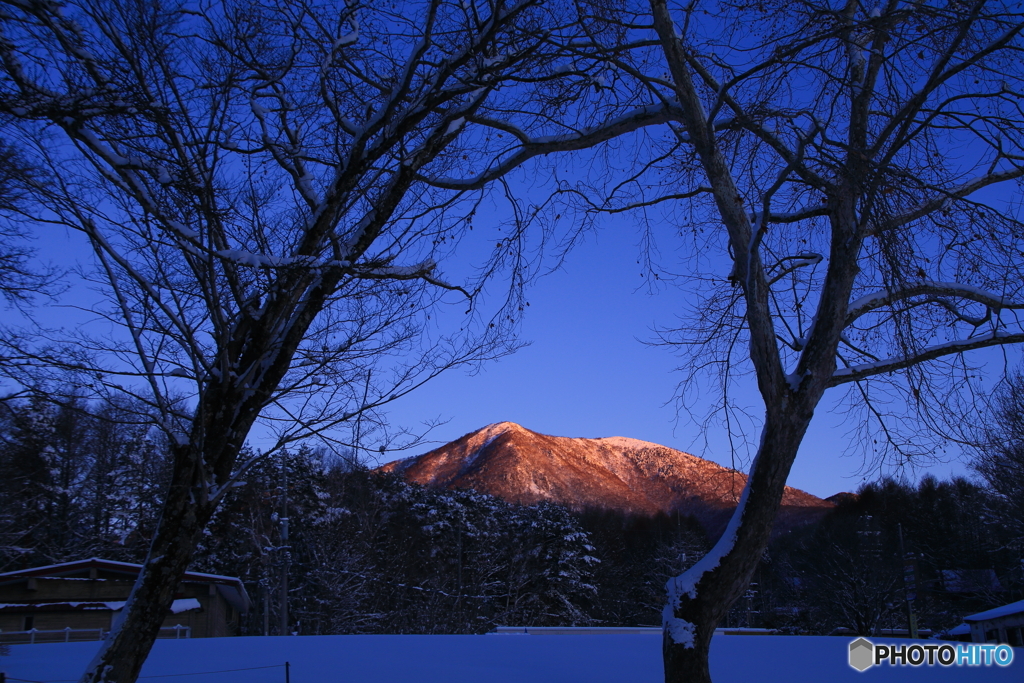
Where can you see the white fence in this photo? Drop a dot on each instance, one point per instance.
(72, 635)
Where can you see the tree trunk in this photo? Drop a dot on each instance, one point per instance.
(123, 653)
(688, 664)
(724, 574)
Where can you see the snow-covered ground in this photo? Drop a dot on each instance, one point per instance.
(630, 658)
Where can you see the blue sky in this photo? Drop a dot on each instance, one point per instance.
(588, 373)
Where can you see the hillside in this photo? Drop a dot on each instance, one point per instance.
(518, 465)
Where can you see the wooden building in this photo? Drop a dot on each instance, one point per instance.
(999, 625)
(79, 601)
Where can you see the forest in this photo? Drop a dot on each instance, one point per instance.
(370, 553)
(278, 201)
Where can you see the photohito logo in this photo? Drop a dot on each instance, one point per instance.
(864, 654)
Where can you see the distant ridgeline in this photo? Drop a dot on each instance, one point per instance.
(374, 553)
(616, 473)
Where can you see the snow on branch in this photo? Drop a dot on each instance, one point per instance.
(943, 197)
(856, 373)
(400, 272)
(638, 118)
(801, 260)
(419, 271)
(881, 298)
(422, 270)
(248, 258)
(793, 216)
(685, 585)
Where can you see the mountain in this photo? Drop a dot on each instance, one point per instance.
(843, 497)
(521, 466)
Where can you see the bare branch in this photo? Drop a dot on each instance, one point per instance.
(857, 373)
(880, 299)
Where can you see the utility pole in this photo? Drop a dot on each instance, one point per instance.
(266, 609)
(359, 417)
(285, 550)
(909, 585)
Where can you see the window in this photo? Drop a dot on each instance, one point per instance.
(1013, 636)
(992, 635)
(29, 622)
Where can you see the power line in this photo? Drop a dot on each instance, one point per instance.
(192, 673)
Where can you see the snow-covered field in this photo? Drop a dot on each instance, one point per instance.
(628, 658)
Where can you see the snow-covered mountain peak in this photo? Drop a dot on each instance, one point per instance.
(512, 462)
(627, 442)
(501, 428)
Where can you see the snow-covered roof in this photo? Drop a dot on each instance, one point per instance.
(969, 580)
(229, 586)
(177, 607)
(58, 570)
(995, 613)
(961, 630)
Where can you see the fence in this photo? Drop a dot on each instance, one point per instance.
(74, 635)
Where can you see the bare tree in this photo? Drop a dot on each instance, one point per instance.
(18, 279)
(1000, 455)
(856, 167)
(248, 177)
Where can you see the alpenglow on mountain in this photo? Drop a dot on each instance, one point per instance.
(521, 466)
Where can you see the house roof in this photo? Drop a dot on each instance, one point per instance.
(230, 586)
(969, 580)
(996, 612)
(177, 606)
(961, 630)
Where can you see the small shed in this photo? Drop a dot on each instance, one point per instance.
(79, 601)
(999, 625)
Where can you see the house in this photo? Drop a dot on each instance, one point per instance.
(969, 580)
(79, 601)
(999, 625)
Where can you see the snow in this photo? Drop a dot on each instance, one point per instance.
(681, 631)
(357, 233)
(468, 464)
(612, 658)
(304, 183)
(1004, 611)
(177, 607)
(87, 604)
(455, 126)
(951, 346)
(44, 571)
(247, 258)
(806, 258)
(961, 630)
(345, 40)
(794, 380)
(867, 300)
(627, 442)
(184, 605)
(405, 271)
(930, 287)
(108, 154)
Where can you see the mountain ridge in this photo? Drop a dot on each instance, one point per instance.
(519, 465)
